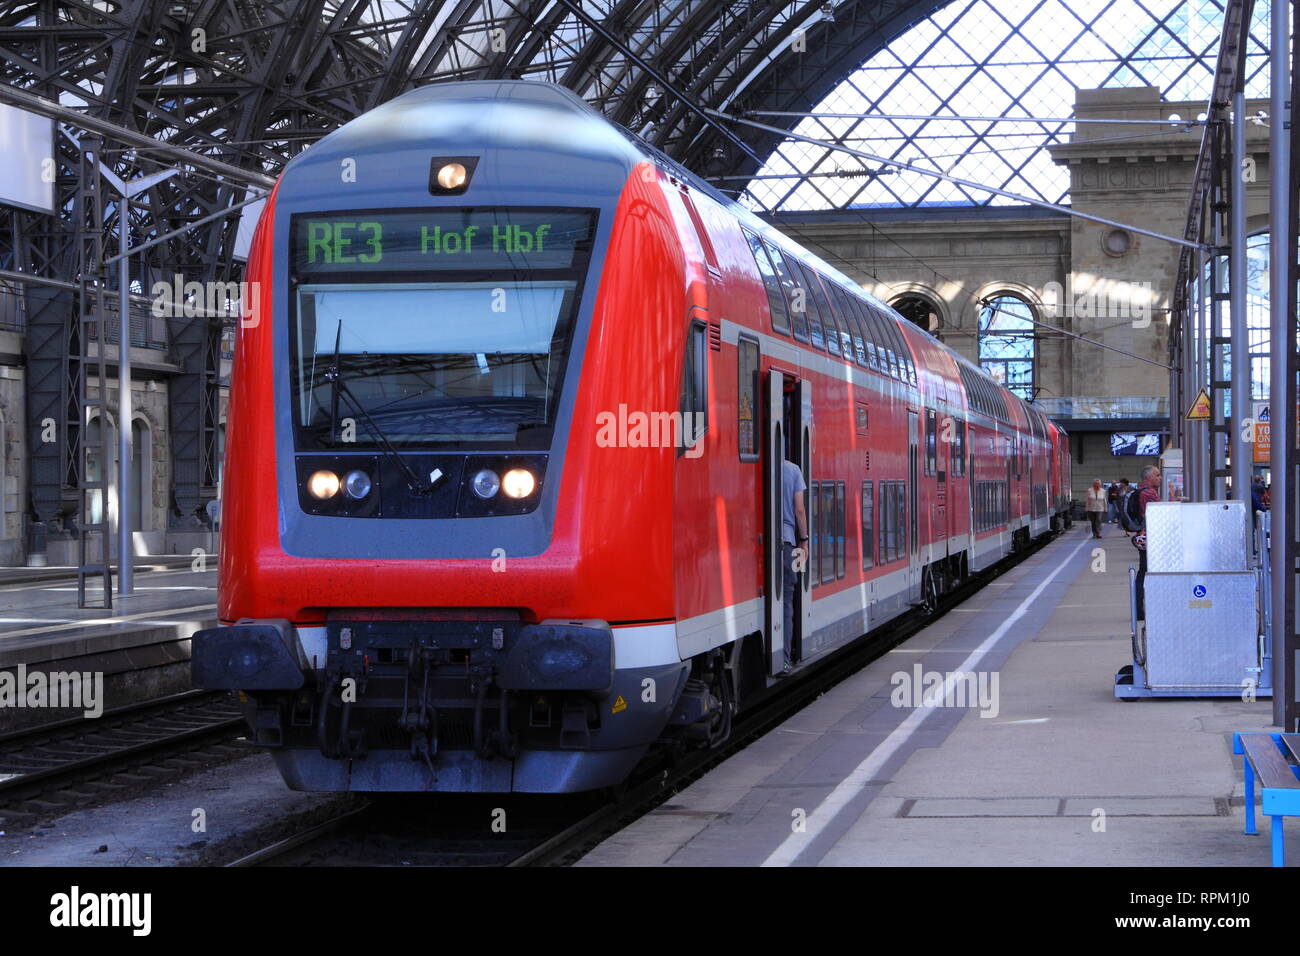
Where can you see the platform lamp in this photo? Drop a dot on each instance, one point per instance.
(127, 191)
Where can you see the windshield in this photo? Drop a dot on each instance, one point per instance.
(462, 357)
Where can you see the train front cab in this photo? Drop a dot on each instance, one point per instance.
(428, 633)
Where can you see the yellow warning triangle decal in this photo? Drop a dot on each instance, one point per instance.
(619, 705)
(1200, 409)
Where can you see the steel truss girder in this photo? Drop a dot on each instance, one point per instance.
(252, 82)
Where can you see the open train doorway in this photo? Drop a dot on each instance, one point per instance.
(788, 438)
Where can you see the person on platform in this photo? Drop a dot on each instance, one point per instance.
(1121, 510)
(1095, 505)
(1112, 502)
(794, 534)
(1258, 494)
(1149, 490)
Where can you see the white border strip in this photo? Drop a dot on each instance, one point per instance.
(865, 772)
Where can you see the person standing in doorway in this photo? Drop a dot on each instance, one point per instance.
(1148, 491)
(794, 535)
(1095, 505)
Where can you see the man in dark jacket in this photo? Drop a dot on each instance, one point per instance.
(1121, 510)
(1257, 502)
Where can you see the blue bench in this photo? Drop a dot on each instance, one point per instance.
(1272, 758)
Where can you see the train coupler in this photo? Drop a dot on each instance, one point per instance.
(345, 682)
(420, 720)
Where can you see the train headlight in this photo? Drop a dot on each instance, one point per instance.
(452, 176)
(323, 484)
(518, 483)
(486, 484)
(356, 484)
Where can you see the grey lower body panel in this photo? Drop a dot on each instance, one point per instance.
(463, 771)
(633, 715)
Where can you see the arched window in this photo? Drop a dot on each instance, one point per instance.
(918, 310)
(1259, 319)
(95, 469)
(1258, 316)
(1006, 342)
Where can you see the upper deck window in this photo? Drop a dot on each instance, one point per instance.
(788, 278)
(771, 283)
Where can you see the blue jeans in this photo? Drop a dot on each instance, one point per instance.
(789, 584)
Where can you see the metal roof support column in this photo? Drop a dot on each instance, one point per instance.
(1282, 383)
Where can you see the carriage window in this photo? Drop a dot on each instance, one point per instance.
(775, 296)
(897, 360)
(798, 316)
(885, 345)
(695, 387)
(900, 345)
(824, 307)
(844, 312)
(830, 532)
(875, 354)
(747, 400)
(895, 526)
(893, 520)
(931, 441)
(841, 530)
(900, 514)
(808, 285)
(891, 527)
(833, 321)
(815, 533)
(859, 334)
(848, 325)
(868, 526)
(958, 465)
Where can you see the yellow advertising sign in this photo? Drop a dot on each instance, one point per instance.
(1263, 447)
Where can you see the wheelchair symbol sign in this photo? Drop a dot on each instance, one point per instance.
(1199, 591)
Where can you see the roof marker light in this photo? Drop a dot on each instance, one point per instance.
(452, 176)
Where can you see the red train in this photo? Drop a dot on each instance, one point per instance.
(502, 492)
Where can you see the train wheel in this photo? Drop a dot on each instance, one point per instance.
(929, 592)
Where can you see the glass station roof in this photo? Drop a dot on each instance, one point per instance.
(993, 58)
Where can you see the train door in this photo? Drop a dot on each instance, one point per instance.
(1011, 496)
(971, 492)
(943, 468)
(913, 496)
(787, 435)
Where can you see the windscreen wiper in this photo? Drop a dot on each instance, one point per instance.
(340, 387)
(334, 384)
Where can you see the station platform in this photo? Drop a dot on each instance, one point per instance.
(1059, 772)
(140, 648)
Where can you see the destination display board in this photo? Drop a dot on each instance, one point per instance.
(435, 240)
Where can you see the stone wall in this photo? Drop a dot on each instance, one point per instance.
(1139, 176)
(13, 464)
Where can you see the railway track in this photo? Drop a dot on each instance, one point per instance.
(50, 768)
(557, 831)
